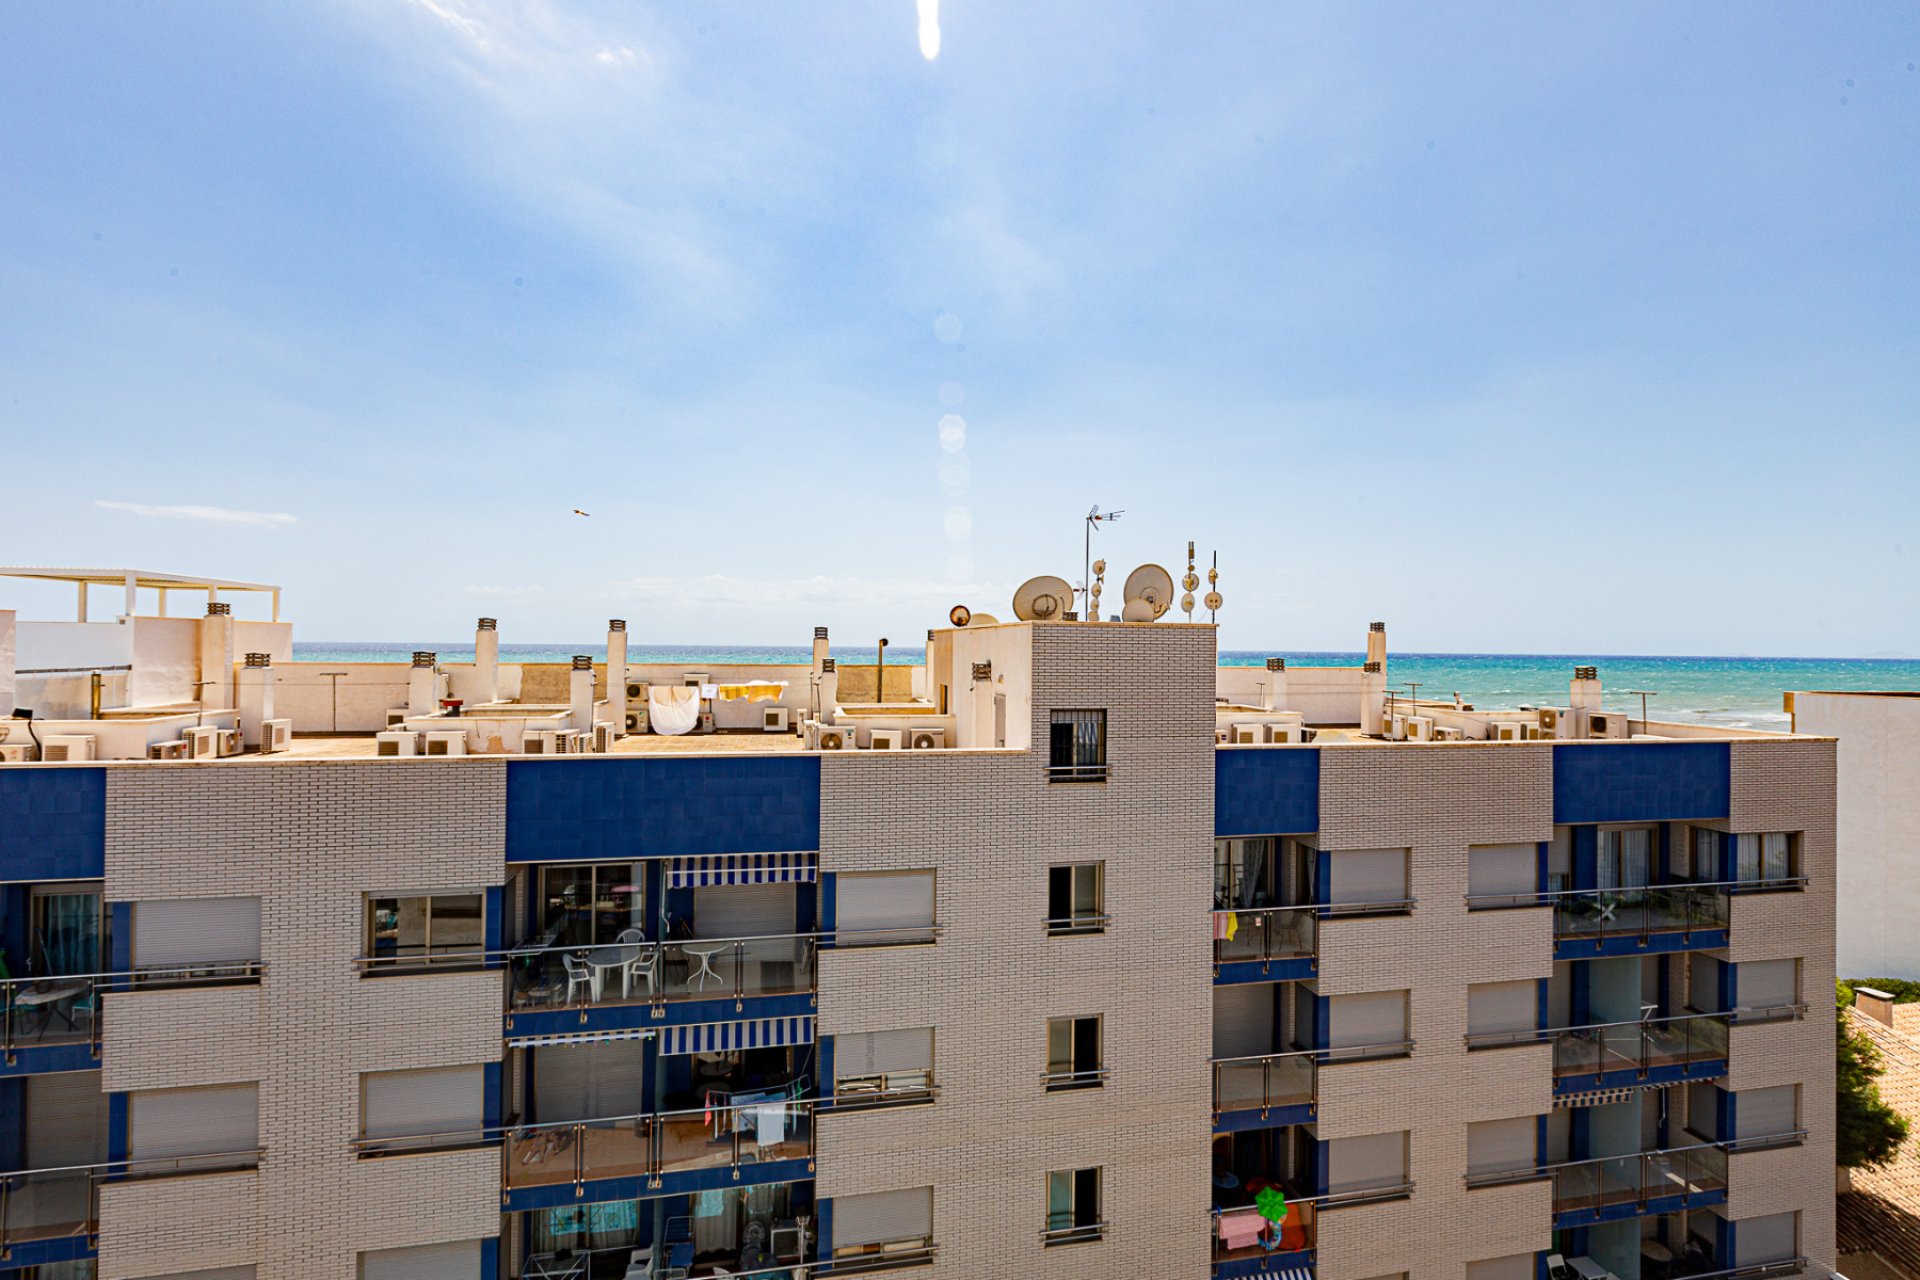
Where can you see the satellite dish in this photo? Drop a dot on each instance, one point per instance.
(1042, 599)
(959, 615)
(1137, 611)
(983, 620)
(1152, 584)
(1213, 602)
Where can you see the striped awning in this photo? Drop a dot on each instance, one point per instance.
(577, 1037)
(1595, 1098)
(743, 868)
(1284, 1273)
(726, 1037)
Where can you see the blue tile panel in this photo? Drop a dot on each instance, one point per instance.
(1641, 781)
(53, 824)
(1266, 791)
(1271, 1118)
(1635, 945)
(673, 1182)
(661, 808)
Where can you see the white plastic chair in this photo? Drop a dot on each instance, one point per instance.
(580, 973)
(645, 962)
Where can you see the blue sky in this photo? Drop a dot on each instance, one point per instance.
(1526, 328)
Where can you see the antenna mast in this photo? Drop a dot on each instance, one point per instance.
(1093, 521)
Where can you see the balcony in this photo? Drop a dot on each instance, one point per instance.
(1265, 1089)
(43, 1209)
(56, 1020)
(1632, 921)
(1650, 1051)
(1245, 1242)
(750, 1141)
(1631, 1186)
(658, 972)
(1247, 945)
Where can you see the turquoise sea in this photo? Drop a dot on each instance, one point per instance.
(1735, 692)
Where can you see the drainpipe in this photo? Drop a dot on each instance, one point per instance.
(880, 673)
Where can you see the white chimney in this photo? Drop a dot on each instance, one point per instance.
(1276, 694)
(486, 660)
(1583, 692)
(254, 696)
(580, 693)
(216, 657)
(423, 684)
(617, 674)
(829, 686)
(7, 661)
(1377, 644)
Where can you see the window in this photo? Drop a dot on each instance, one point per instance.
(1502, 875)
(590, 904)
(1073, 1054)
(1077, 746)
(1698, 856)
(1497, 1147)
(1373, 1025)
(1773, 1237)
(1626, 858)
(69, 931)
(405, 933)
(1073, 1207)
(882, 1229)
(1076, 895)
(1360, 881)
(1502, 1013)
(189, 939)
(460, 1261)
(883, 908)
(195, 1130)
(1704, 1103)
(1767, 1117)
(1374, 1166)
(1706, 984)
(1766, 990)
(422, 1110)
(1771, 859)
(875, 1068)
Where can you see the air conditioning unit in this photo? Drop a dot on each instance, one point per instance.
(1509, 732)
(1397, 728)
(202, 744)
(66, 746)
(396, 716)
(636, 691)
(16, 752)
(1534, 733)
(571, 742)
(230, 742)
(603, 736)
(444, 743)
(835, 737)
(1448, 733)
(887, 739)
(540, 742)
(175, 750)
(1549, 720)
(396, 742)
(1420, 728)
(1606, 724)
(1286, 733)
(1244, 733)
(276, 735)
(706, 722)
(637, 718)
(774, 720)
(932, 739)
(696, 679)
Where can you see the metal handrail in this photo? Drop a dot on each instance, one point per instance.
(886, 1095)
(15, 1017)
(1073, 1235)
(1366, 1052)
(1768, 1013)
(1076, 924)
(1545, 896)
(1062, 1079)
(1766, 1141)
(1382, 906)
(1078, 772)
(886, 1260)
(1534, 1172)
(1752, 1271)
(649, 1128)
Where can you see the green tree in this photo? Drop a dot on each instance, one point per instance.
(1870, 1131)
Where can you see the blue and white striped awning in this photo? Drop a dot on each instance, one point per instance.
(577, 1037)
(742, 868)
(728, 1037)
(1284, 1273)
(1593, 1098)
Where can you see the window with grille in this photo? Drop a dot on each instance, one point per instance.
(1077, 746)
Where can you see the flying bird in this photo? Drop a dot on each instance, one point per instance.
(577, 511)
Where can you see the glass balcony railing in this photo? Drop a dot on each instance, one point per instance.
(1637, 912)
(66, 1008)
(1637, 1046)
(1265, 1081)
(49, 1204)
(1265, 934)
(648, 1146)
(1639, 1179)
(1240, 1232)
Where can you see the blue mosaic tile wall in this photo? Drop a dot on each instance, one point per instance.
(657, 808)
(1262, 791)
(53, 824)
(1641, 781)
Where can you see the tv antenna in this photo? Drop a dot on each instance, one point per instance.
(1094, 519)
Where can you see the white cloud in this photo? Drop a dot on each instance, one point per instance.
(215, 515)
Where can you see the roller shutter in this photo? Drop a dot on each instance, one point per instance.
(1367, 875)
(898, 902)
(1502, 869)
(1377, 1018)
(1501, 1146)
(873, 1053)
(222, 1120)
(882, 1217)
(1364, 1164)
(1764, 1113)
(587, 1082)
(1502, 1006)
(744, 910)
(172, 933)
(398, 1104)
(459, 1261)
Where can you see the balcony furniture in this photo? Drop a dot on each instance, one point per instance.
(1588, 1269)
(1557, 1268)
(623, 956)
(703, 956)
(640, 1265)
(1654, 1251)
(581, 974)
(1241, 1228)
(551, 1266)
(49, 999)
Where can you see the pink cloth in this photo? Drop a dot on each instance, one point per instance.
(1241, 1228)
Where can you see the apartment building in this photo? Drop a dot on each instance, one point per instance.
(1083, 957)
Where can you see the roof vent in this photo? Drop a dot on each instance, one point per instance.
(1376, 626)
(1586, 673)
(828, 664)
(1371, 668)
(983, 671)
(582, 662)
(1276, 664)
(819, 633)
(488, 624)
(929, 633)
(219, 609)
(1071, 615)
(616, 624)
(425, 658)
(259, 659)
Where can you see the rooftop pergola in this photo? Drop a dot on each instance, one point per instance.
(131, 580)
